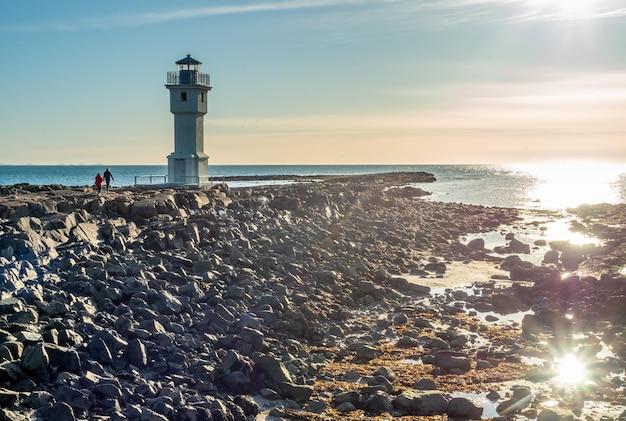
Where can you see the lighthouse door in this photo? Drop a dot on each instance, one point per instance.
(179, 171)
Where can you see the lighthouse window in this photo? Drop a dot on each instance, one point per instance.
(183, 96)
(202, 97)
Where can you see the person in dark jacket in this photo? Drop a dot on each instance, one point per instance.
(99, 180)
(108, 177)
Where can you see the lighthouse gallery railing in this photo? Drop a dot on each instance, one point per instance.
(191, 78)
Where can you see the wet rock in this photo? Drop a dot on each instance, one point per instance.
(366, 352)
(376, 402)
(540, 374)
(556, 414)
(424, 384)
(449, 362)
(514, 246)
(477, 244)
(519, 400)
(344, 401)
(532, 325)
(507, 304)
(414, 402)
(464, 408)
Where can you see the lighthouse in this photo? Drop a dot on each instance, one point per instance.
(188, 164)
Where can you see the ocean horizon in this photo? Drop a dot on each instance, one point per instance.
(535, 186)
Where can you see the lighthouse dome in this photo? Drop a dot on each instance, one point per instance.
(188, 63)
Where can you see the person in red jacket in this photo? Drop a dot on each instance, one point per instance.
(99, 180)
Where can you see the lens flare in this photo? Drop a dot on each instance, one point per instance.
(570, 370)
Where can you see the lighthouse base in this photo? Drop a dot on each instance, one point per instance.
(187, 169)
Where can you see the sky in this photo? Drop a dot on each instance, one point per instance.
(317, 81)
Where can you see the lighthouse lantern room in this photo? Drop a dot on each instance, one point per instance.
(188, 164)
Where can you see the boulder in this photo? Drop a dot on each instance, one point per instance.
(377, 402)
(415, 402)
(450, 362)
(556, 414)
(464, 408)
(506, 303)
(476, 244)
(299, 393)
(273, 368)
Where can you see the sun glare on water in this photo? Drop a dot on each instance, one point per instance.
(570, 184)
(570, 370)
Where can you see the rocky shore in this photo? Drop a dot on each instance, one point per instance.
(336, 298)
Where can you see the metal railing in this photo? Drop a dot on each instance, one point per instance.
(196, 179)
(192, 78)
(188, 180)
(150, 178)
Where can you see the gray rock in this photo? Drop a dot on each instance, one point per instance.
(351, 376)
(346, 407)
(464, 408)
(299, 393)
(35, 360)
(476, 244)
(377, 402)
(449, 362)
(99, 350)
(273, 368)
(148, 414)
(425, 384)
(37, 399)
(386, 372)
(367, 353)
(61, 412)
(108, 390)
(11, 305)
(136, 353)
(414, 402)
(76, 398)
(539, 374)
(85, 231)
(8, 398)
(351, 397)
(438, 343)
(63, 357)
(167, 303)
(507, 304)
(407, 342)
(11, 371)
(25, 317)
(556, 414)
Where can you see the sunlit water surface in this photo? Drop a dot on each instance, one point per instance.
(532, 186)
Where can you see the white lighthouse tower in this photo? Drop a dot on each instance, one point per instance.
(188, 164)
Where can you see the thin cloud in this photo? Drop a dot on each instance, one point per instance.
(429, 13)
(142, 19)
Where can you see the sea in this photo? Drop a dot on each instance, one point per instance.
(551, 186)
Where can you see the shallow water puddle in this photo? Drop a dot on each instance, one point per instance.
(480, 399)
(537, 232)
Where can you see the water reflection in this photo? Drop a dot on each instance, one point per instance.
(570, 370)
(570, 184)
